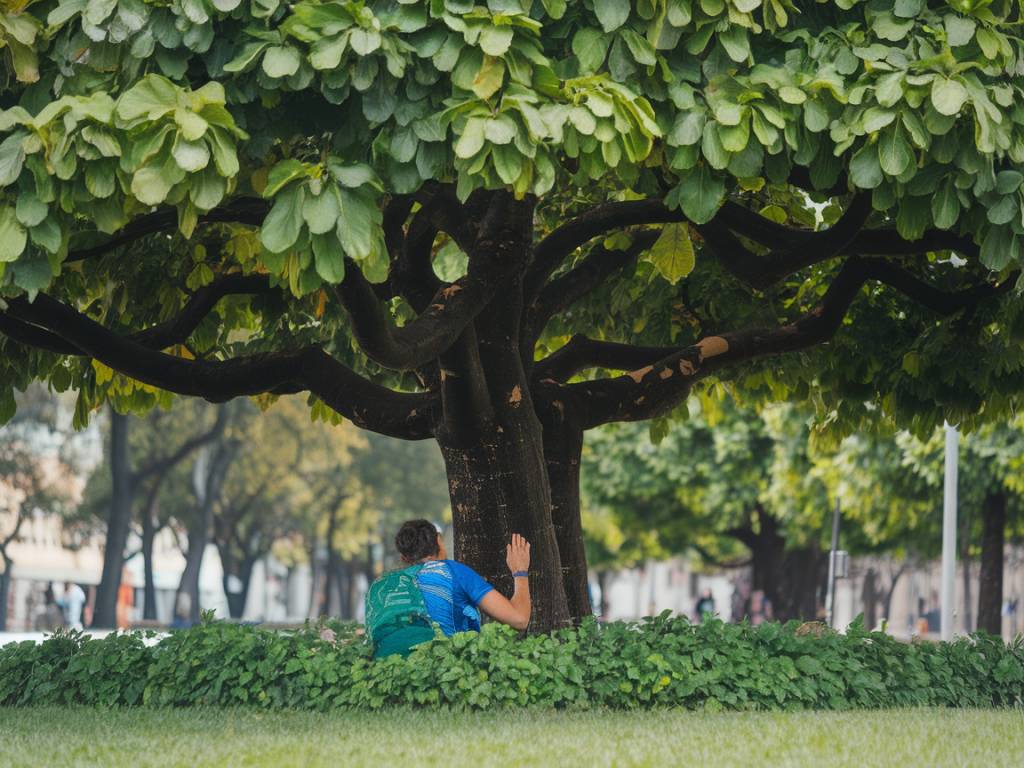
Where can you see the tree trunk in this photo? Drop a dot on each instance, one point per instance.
(790, 579)
(965, 559)
(605, 582)
(329, 605)
(148, 535)
(186, 601)
(5, 589)
(207, 474)
(500, 487)
(242, 571)
(563, 446)
(869, 595)
(892, 591)
(118, 523)
(149, 585)
(990, 580)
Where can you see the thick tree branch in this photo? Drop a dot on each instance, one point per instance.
(173, 331)
(243, 210)
(661, 384)
(801, 250)
(200, 304)
(366, 404)
(581, 353)
(795, 248)
(496, 256)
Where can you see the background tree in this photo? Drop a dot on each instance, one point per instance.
(141, 454)
(231, 199)
(42, 471)
(894, 485)
(729, 483)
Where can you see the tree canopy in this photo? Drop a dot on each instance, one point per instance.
(448, 220)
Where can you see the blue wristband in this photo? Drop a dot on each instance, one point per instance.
(521, 575)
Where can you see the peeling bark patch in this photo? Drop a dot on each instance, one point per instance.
(638, 374)
(818, 311)
(687, 368)
(516, 396)
(712, 346)
(451, 290)
(639, 400)
(665, 373)
(560, 406)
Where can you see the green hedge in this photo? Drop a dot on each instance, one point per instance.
(662, 662)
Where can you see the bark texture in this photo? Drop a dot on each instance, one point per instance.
(990, 580)
(118, 522)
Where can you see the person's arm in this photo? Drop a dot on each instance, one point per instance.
(514, 612)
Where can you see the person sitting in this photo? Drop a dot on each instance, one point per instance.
(402, 606)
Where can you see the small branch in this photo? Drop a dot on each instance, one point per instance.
(581, 353)
(309, 368)
(566, 290)
(658, 387)
(243, 210)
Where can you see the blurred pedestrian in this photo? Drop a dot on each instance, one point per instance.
(73, 602)
(705, 606)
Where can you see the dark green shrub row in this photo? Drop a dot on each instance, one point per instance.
(662, 662)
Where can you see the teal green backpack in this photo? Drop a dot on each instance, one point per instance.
(396, 616)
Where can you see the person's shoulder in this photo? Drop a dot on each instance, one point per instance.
(463, 570)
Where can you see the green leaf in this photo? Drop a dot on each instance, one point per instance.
(672, 253)
(282, 174)
(590, 47)
(700, 193)
(495, 40)
(365, 41)
(150, 99)
(471, 140)
(948, 96)
(894, 151)
(642, 50)
(1004, 211)
(329, 258)
(152, 184)
(327, 53)
(12, 235)
(1008, 181)
(247, 57)
(283, 224)
(945, 205)
(611, 13)
(281, 61)
(996, 248)
(959, 30)
(489, 77)
(865, 171)
(30, 209)
(792, 95)
(191, 156)
(358, 224)
(321, 211)
(12, 158)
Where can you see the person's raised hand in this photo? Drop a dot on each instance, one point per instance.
(518, 554)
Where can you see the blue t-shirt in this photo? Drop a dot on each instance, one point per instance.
(452, 591)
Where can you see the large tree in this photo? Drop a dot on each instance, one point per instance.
(222, 198)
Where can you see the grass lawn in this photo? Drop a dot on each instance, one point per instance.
(85, 737)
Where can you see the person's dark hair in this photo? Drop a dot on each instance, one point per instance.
(416, 539)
